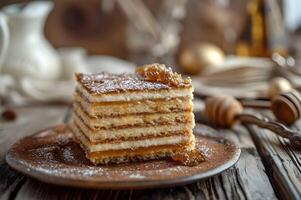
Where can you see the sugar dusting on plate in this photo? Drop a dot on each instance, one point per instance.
(53, 154)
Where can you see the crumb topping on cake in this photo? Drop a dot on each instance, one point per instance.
(160, 73)
(152, 77)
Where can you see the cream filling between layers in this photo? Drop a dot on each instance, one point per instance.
(103, 134)
(148, 106)
(136, 95)
(133, 120)
(132, 144)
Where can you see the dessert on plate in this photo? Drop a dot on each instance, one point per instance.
(130, 117)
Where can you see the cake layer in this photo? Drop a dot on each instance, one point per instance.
(144, 137)
(103, 134)
(133, 120)
(149, 153)
(80, 97)
(136, 95)
(131, 145)
(155, 155)
(105, 83)
(135, 107)
(143, 150)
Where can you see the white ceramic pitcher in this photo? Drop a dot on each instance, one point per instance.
(24, 51)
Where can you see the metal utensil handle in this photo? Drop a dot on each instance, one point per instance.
(278, 128)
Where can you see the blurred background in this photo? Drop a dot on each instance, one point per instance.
(249, 49)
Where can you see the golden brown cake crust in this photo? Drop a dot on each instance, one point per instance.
(103, 83)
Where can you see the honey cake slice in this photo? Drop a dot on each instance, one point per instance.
(128, 117)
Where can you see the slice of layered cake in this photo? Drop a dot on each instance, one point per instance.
(129, 117)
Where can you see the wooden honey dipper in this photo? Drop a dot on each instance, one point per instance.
(287, 107)
(225, 111)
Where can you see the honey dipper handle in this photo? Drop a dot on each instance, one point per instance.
(278, 128)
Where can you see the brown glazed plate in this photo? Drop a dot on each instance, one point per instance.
(53, 156)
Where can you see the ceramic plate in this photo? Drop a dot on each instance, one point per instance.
(53, 156)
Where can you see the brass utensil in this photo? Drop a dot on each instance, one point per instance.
(225, 111)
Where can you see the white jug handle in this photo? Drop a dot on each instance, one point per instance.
(4, 38)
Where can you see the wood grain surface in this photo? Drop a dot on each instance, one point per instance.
(30, 120)
(265, 170)
(281, 161)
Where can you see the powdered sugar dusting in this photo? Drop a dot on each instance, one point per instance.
(107, 83)
(57, 155)
(136, 176)
(103, 83)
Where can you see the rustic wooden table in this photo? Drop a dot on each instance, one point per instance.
(268, 167)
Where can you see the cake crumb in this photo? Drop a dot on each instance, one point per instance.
(189, 157)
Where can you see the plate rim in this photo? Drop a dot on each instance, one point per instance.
(122, 184)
